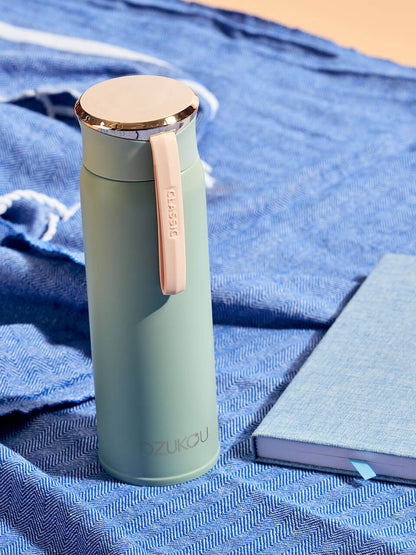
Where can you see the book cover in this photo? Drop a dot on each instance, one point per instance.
(352, 406)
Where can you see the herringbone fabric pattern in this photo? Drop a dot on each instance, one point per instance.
(309, 153)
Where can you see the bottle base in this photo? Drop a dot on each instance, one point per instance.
(164, 481)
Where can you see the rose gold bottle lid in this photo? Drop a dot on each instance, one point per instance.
(128, 106)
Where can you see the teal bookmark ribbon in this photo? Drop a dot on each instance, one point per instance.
(363, 469)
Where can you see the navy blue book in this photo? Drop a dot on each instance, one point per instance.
(352, 406)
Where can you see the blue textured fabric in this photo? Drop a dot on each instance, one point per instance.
(310, 154)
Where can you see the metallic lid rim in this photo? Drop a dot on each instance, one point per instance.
(98, 123)
(142, 134)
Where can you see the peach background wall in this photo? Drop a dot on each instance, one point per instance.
(381, 28)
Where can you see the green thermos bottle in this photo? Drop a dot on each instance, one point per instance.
(149, 297)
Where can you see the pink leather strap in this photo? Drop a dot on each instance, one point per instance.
(169, 205)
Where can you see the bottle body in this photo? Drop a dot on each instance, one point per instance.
(153, 354)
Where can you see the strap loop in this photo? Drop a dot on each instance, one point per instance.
(170, 218)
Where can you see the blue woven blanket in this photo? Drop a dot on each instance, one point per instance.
(310, 156)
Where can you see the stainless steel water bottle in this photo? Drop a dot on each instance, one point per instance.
(149, 297)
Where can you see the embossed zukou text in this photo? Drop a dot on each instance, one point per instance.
(171, 447)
